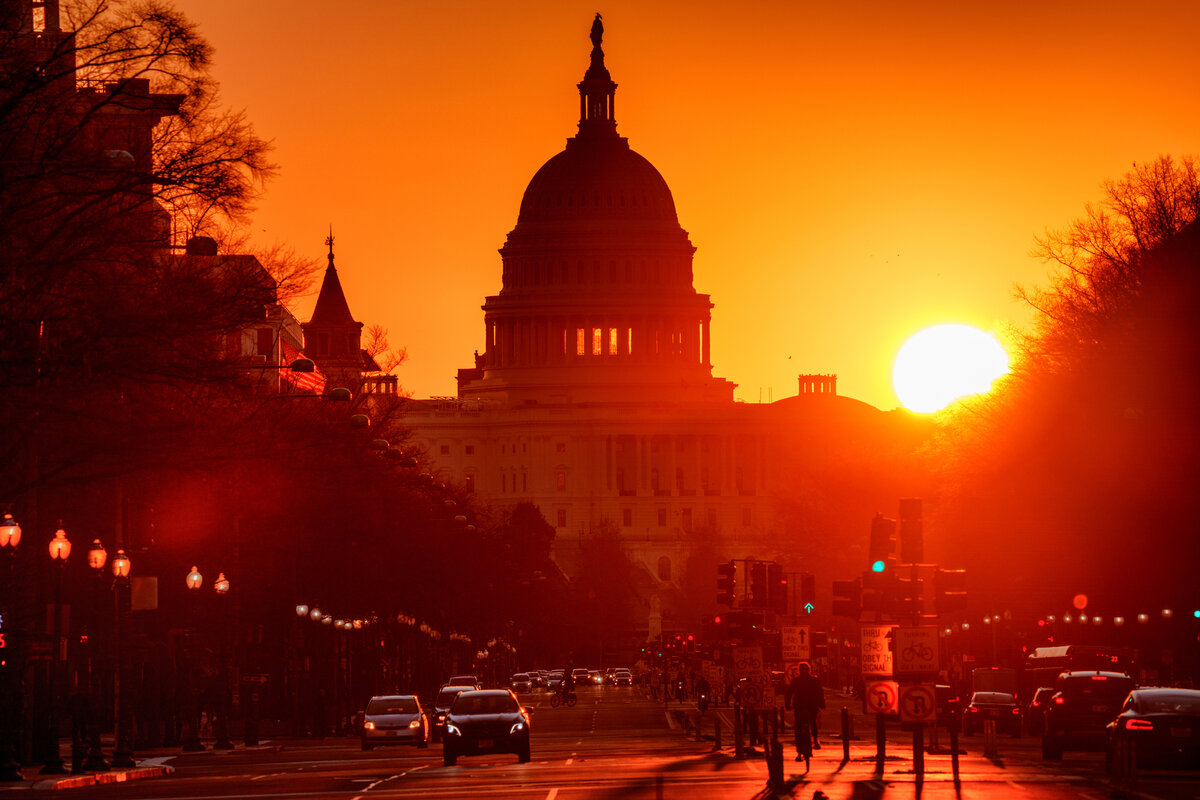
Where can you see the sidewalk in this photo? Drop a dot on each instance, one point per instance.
(148, 764)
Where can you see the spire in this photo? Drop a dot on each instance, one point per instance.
(331, 308)
(597, 115)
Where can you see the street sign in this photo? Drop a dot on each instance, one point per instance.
(916, 652)
(918, 703)
(747, 662)
(797, 642)
(876, 655)
(883, 697)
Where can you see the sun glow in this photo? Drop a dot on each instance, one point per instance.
(944, 363)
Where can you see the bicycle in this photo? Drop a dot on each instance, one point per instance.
(556, 700)
(918, 652)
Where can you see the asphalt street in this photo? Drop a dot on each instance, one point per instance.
(616, 743)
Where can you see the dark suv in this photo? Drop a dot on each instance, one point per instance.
(1083, 703)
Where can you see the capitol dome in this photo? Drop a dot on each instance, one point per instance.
(596, 300)
(597, 179)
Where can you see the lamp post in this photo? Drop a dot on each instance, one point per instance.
(221, 587)
(10, 768)
(60, 551)
(97, 558)
(191, 712)
(123, 749)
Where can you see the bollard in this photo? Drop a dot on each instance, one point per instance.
(738, 750)
(989, 739)
(845, 734)
(880, 744)
(919, 751)
(774, 755)
(954, 746)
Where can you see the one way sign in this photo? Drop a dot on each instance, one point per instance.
(797, 643)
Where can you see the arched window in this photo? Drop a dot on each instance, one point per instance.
(664, 568)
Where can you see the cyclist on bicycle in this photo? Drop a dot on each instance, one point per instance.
(806, 698)
(567, 687)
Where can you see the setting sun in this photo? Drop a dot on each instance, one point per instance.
(941, 364)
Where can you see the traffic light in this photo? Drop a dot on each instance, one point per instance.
(951, 587)
(758, 584)
(777, 589)
(808, 592)
(726, 581)
(912, 535)
(712, 628)
(847, 598)
(820, 644)
(882, 551)
(875, 593)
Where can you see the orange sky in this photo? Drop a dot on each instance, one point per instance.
(850, 172)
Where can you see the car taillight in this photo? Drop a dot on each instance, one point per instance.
(1139, 725)
(1016, 711)
(1058, 701)
(973, 709)
(1099, 677)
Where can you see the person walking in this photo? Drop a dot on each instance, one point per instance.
(805, 698)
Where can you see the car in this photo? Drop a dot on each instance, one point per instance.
(622, 677)
(1083, 703)
(998, 706)
(521, 682)
(1035, 712)
(464, 680)
(554, 679)
(595, 677)
(395, 719)
(1158, 728)
(582, 677)
(486, 721)
(538, 678)
(441, 706)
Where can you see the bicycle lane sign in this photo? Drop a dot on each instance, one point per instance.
(916, 653)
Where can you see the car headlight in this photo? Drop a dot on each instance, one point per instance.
(416, 723)
(368, 725)
(517, 728)
(452, 729)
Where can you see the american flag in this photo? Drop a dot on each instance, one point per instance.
(302, 381)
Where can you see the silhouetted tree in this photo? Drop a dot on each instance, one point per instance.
(1079, 465)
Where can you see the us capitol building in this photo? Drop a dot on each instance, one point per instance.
(594, 396)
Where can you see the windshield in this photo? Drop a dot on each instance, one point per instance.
(484, 704)
(993, 697)
(392, 705)
(1171, 703)
(1101, 688)
(521, 676)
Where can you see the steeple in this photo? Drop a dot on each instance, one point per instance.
(597, 112)
(332, 338)
(332, 308)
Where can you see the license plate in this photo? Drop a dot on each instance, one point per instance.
(1099, 709)
(487, 742)
(391, 733)
(1181, 732)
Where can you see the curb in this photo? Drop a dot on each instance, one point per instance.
(93, 779)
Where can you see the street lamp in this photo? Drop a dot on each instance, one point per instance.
(121, 566)
(97, 557)
(60, 551)
(221, 587)
(10, 768)
(191, 713)
(10, 534)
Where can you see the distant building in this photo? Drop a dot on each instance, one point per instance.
(594, 397)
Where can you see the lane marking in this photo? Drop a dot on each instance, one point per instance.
(553, 794)
(384, 780)
(569, 761)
